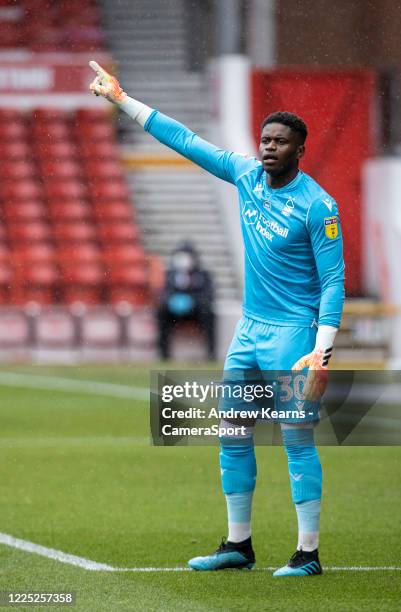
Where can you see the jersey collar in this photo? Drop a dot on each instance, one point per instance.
(289, 187)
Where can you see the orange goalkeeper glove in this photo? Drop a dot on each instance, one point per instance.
(106, 85)
(317, 361)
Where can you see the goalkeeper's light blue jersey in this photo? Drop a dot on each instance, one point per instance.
(294, 267)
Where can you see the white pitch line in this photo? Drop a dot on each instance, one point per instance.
(260, 569)
(87, 564)
(88, 387)
(51, 553)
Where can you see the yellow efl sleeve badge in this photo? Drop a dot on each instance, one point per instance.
(331, 227)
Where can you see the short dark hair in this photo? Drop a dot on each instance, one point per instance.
(293, 121)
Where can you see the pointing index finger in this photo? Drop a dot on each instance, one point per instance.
(98, 69)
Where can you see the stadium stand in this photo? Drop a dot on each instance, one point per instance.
(73, 270)
(67, 223)
(50, 26)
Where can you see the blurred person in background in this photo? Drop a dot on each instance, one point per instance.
(187, 295)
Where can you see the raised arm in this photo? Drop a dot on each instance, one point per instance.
(226, 165)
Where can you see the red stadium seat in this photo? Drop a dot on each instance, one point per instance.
(3, 233)
(36, 284)
(4, 253)
(77, 10)
(21, 190)
(18, 150)
(5, 272)
(13, 130)
(26, 255)
(5, 282)
(52, 131)
(99, 150)
(133, 277)
(125, 255)
(55, 151)
(29, 232)
(10, 35)
(45, 39)
(73, 210)
(48, 115)
(95, 115)
(94, 132)
(112, 190)
(8, 115)
(80, 254)
(60, 169)
(115, 211)
(74, 232)
(82, 38)
(103, 170)
(118, 233)
(17, 169)
(65, 190)
(129, 285)
(83, 283)
(31, 210)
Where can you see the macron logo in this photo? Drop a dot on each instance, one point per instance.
(297, 477)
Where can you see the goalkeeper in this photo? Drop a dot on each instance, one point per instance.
(293, 298)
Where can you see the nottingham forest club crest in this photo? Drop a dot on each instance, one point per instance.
(288, 207)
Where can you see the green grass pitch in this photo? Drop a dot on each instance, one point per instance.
(79, 475)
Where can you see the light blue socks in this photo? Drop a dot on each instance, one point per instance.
(238, 477)
(306, 484)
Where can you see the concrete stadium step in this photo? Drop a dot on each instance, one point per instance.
(152, 53)
(181, 200)
(148, 26)
(195, 213)
(148, 64)
(175, 237)
(148, 39)
(172, 82)
(153, 178)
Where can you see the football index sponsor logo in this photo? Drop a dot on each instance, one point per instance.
(266, 226)
(262, 227)
(288, 207)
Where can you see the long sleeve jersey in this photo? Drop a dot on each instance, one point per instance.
(294, 266)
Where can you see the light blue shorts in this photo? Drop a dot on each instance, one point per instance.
(261, 351)
(263, 346)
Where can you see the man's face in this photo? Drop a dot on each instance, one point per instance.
(280, 148)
